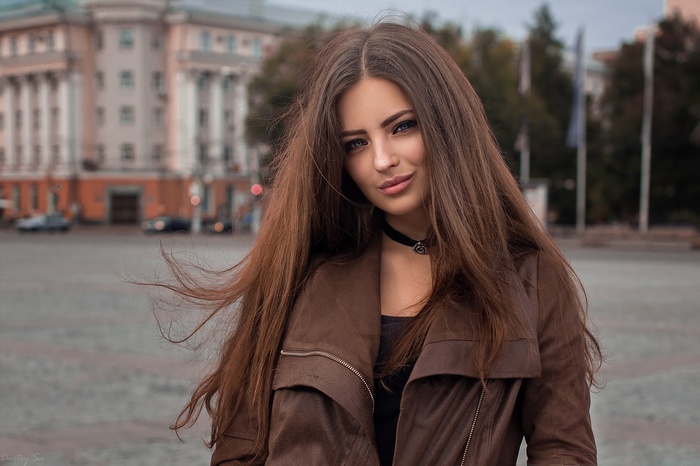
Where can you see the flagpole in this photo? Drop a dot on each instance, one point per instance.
(524, 90)
(581, 154)
(576, 134)
(646, 131)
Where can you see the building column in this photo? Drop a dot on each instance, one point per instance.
(9, 109)
(45, 121)
(76, 125)
(215, 120)
(240, 103)
(185, 119)
(63, 119)
(26, 131)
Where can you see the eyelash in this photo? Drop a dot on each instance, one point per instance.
(349, 146)
(355, 144)
(408, 124)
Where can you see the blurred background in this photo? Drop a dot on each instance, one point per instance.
(116, 113)
(122, 119)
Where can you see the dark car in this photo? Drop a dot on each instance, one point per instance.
(44, 222)
(166, 225)
(220, 226)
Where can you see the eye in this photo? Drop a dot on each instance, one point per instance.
(404, 126)
(354, 145)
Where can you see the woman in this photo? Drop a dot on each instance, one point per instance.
(401, 304)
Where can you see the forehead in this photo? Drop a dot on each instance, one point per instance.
(369, 102)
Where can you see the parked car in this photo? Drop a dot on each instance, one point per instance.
(44, 222)
(219, 226)
(166, 225)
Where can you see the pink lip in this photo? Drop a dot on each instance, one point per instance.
(396, 184)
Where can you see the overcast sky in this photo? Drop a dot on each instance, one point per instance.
(607, 22)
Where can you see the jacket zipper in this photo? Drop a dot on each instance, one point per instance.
(335, 358)
(471, 431)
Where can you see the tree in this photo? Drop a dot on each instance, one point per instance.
(490, 61)
(549, 112)
(675, 190)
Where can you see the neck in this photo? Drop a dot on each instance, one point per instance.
(418, 245)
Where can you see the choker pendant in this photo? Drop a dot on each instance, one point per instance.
(418, 246)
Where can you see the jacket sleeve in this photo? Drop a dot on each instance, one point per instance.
(235, 446)
(556, 406)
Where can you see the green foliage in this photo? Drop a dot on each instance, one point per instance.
(491, 62)
(281, 79)
(675, 164)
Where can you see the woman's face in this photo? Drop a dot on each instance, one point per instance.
(384, 152)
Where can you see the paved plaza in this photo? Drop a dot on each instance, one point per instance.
(86, 378)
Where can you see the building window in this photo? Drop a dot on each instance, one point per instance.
(202, 82)
(203, 118)
(227, 155)
(157, 153)
(99, 40)
(2, 156)
(36, 157)
(31, 44)
(100, 116)
(18, 156)
(13, 46)
(156, 40)
(256, 48)
(203, 155)
(16, 201)
(126, 114)
(2, 121)
(55, 154)
(126, 80)
(126, 39)
(157, 80)
(33, 197)
(18, 119)
(54, 115)
(157, 116)
(36, 118)
(205, 41)
(127, 152)
(226, 83)
(231, 44)
(100, 153)
(100, 80)
(227, 117)
(50, 43)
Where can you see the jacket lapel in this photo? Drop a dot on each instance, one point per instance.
(334, 328)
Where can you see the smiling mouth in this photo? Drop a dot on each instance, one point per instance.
(396, 184)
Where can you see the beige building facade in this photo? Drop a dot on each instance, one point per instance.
(116, 111)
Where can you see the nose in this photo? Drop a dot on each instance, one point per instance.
(384, 158)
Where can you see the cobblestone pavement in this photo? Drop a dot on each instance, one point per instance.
(85, 377)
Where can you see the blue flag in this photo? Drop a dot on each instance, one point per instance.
(579, 100)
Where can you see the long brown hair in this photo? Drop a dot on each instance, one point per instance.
(481, 226)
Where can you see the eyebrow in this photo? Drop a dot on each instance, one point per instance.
(383, 124)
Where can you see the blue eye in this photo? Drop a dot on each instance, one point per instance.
(405, 125)
(354, 144)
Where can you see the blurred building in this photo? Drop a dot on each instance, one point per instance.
(121, 110)
(688, 9)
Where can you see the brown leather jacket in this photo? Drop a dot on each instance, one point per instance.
(323, 385)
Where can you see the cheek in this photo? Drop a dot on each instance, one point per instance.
(356, 171)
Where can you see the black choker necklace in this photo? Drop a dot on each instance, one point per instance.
(417, 245)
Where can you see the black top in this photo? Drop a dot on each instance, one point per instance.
(387, 403)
